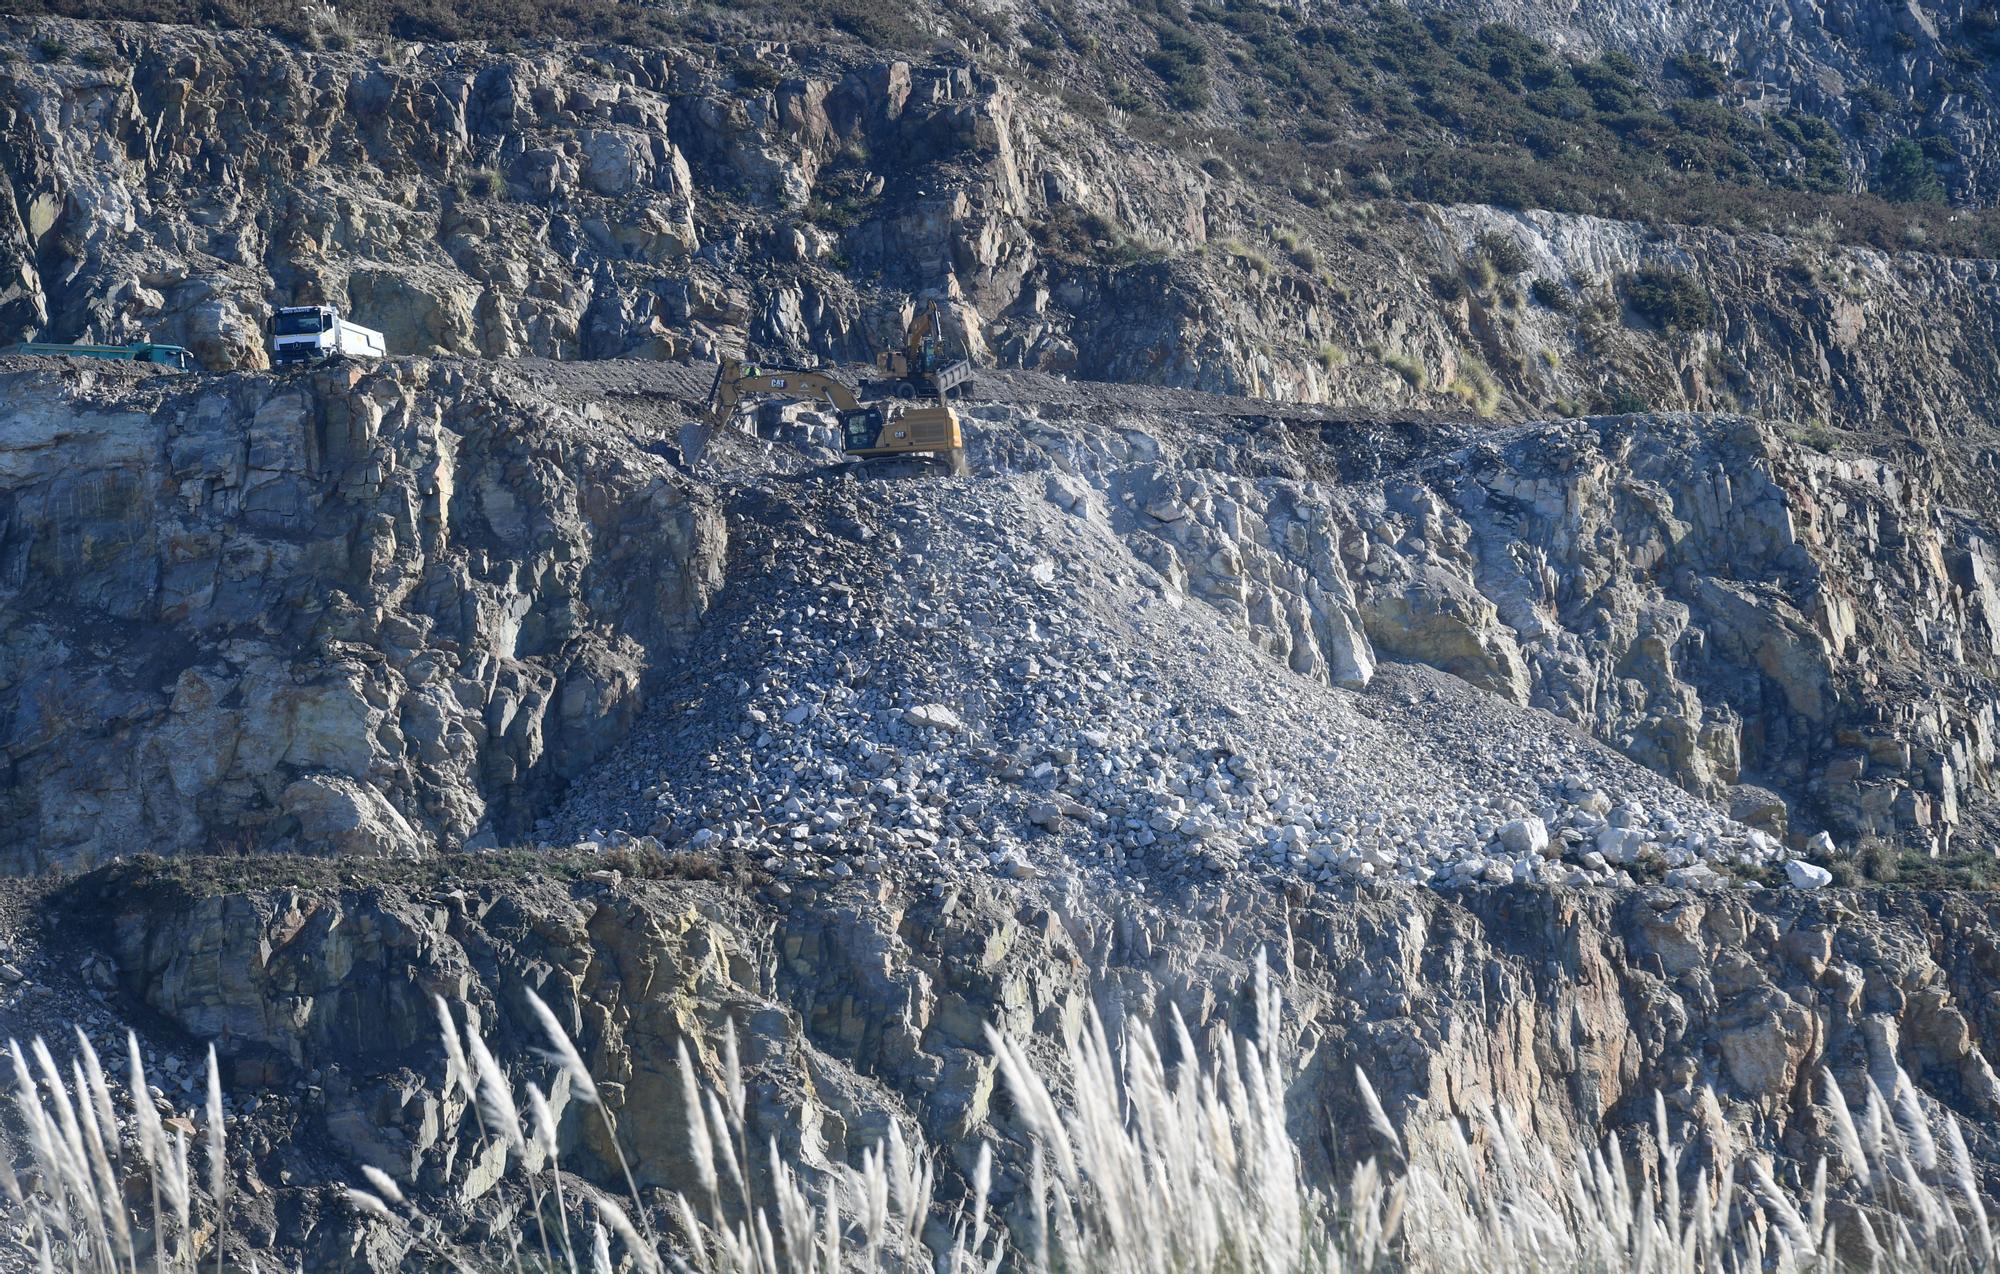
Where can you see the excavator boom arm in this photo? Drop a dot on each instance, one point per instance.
(865, 430)
(920, 331)
(734, 381)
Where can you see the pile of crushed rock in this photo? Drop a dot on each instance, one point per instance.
(931, 677)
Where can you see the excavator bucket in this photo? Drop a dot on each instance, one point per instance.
(694, 441)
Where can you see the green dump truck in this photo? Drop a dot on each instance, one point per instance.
(135, 352)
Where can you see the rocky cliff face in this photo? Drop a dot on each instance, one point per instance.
(589, 202)
(1722, 607)
(1605, 579)
(379, 612)
(404, 609)
(866, 1005)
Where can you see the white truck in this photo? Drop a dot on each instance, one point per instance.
(310, 333)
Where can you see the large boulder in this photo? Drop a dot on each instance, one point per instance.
(340, 816)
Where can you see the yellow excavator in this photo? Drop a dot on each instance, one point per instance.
(922, 368)
(868, 431)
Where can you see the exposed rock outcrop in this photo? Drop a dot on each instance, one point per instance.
(380, 612)
(398, 610)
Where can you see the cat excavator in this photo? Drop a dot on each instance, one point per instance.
(921, 366)
(868, 431)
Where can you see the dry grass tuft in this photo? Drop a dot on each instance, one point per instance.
(1146, 1167)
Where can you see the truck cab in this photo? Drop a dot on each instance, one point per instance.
(300, 333)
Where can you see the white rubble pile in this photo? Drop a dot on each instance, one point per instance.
(942, 676)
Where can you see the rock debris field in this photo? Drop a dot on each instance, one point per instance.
(925, 675)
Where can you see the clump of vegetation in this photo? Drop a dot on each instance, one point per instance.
(1703, 76)
(1671, 300)
(1504, 253)
(1237, 250)
(1818, 436)
(1181, 61)
(1620, 400)
(1448, 287)
(482, 183)
(1197, 1155)
(1884, 863)
(1094, 239)
(1474, 385)
(751, 73)
(1551, 295)
(1410, 369)
(51, 48)
(1330, 356)
(1906, 174)
(845, 192)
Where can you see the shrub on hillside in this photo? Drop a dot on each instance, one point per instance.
(1551, 295)
(1704, 76)
(1504, 252)
(1906, 174)
(1669, 299)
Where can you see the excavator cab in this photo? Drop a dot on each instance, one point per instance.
(869, 433)
(860, 428)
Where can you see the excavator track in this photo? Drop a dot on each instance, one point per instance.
(893, 468)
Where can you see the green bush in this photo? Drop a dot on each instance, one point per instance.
(1906, 174)
(1474, 385)
(1552, 295)
(751, 73)
(1913, 869)
(1181, 62)
(483, 183)
(1238, 250)
(1412, 371)
(1669, 299)
(1873, 98)
(1504, 252)
(1705, 77)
